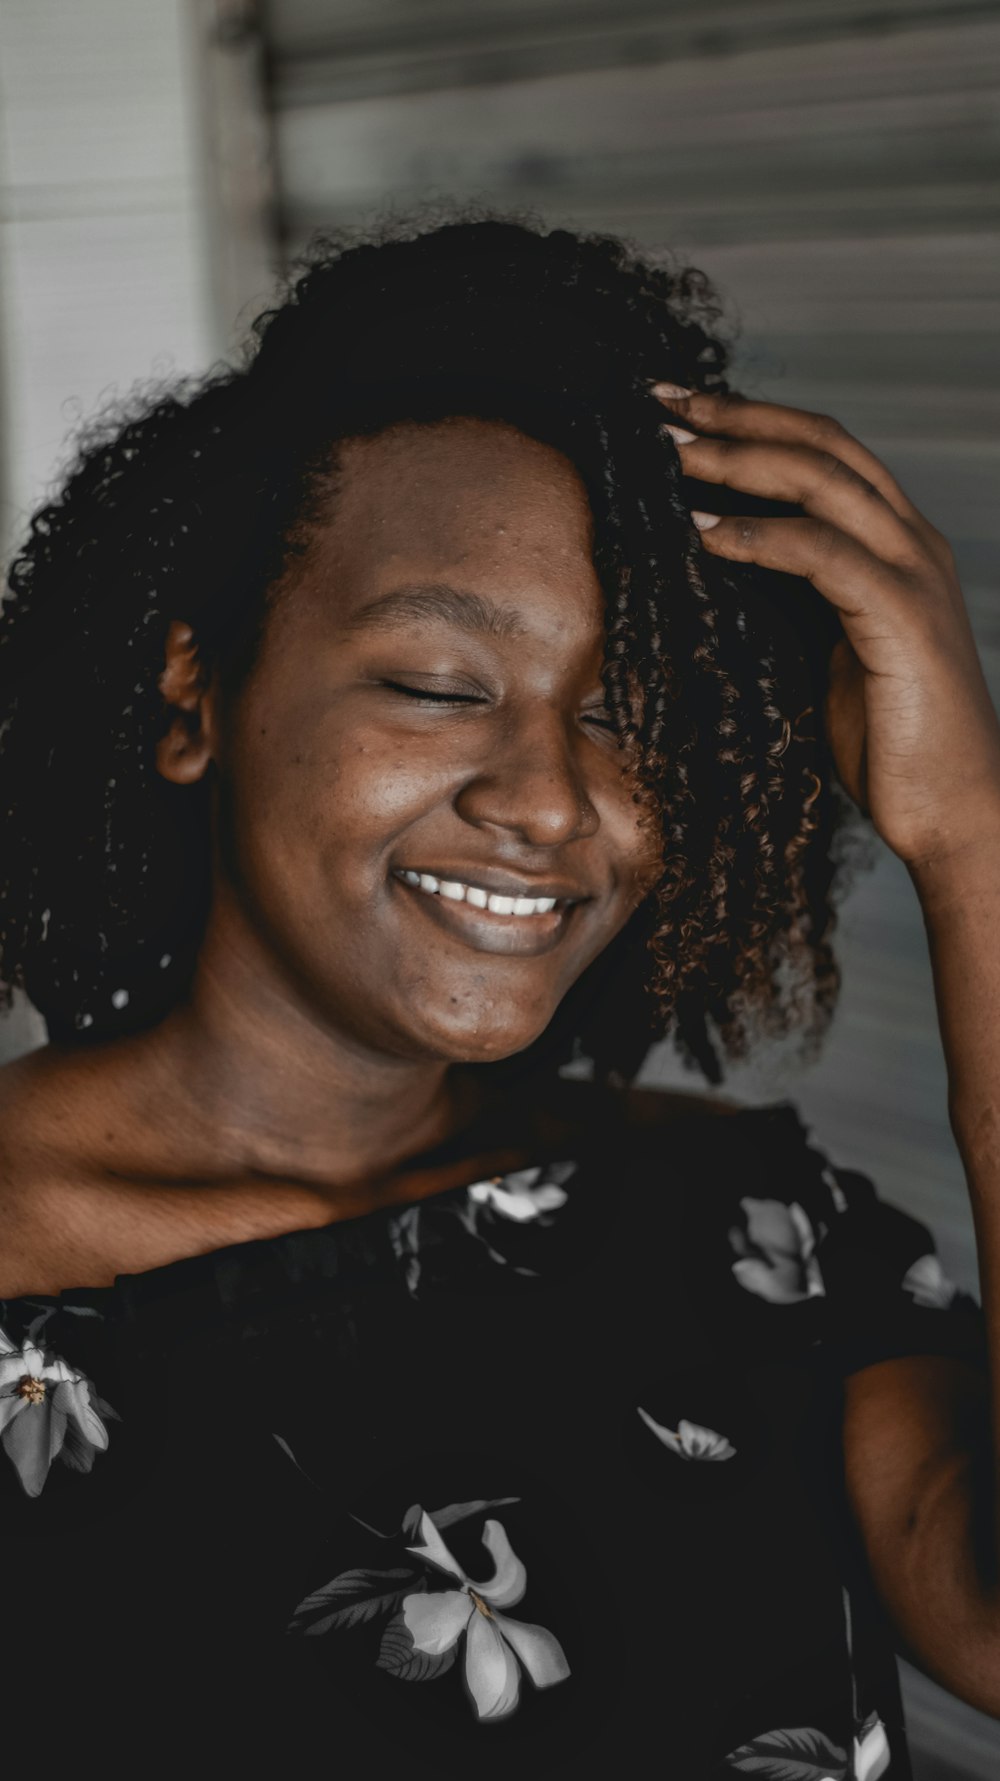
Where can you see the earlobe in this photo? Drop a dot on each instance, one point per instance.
(182, 757)
(184, 751)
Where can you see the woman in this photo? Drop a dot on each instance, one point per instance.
(384, 728)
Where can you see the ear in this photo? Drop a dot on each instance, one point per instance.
(187, 746)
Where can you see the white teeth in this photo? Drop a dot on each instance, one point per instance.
(456, 892)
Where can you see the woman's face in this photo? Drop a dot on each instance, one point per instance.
(425, 728)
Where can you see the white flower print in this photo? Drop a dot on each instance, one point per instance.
(524, 1193)
(404, 1235)
(495, 1646)
(691, 1440)
(800, 1753)
(46, 1412)
(871, 1750)
(928, 1283)
(777, 1252)
(803, 1753)
(421, 1639)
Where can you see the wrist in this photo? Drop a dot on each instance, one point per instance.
(964, 868)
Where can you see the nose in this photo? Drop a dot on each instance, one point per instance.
(533, 784)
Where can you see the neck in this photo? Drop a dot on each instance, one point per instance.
(265, 1086)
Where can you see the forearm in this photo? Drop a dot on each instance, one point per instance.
(960, 901)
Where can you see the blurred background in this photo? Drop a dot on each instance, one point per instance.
(833, 168)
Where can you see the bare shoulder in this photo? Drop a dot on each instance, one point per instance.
(39, 1109)
(21, 1128)
(41, 1140)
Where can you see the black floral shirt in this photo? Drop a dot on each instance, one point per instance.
(539, 1475)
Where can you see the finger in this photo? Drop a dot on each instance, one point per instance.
(821, 483)
(854, 581)
(745, 419)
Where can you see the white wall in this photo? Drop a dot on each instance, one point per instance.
(128, 239)
(102, 225)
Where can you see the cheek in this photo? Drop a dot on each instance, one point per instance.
(376, 786)
(635, 834)
(327, 799)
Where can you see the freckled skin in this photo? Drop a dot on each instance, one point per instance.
(383, 782)
(323, 1041)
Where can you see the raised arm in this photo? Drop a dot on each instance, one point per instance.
(922, 1434)
(917, 745)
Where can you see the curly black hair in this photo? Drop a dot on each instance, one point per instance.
(192, 505)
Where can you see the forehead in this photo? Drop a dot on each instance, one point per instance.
(459, 469)
(494, 509)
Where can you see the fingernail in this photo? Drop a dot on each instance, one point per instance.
(670, 389)
(704, 520)
(681, 434)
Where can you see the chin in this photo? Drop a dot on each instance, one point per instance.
(485, 1045)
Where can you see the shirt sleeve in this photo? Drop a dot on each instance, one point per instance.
(872, 1270)
(889, 1295)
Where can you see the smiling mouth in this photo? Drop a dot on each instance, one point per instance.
(492, 921)
(453, 890)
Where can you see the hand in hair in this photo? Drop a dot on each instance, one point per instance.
(915, 737)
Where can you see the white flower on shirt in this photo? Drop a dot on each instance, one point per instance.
(803, 1753)
(46, 1412)
(777, 1252)
(524, 1193)
(691, 1440)
(928, 1283)
(871, 1750)
(422, 1639)
(496, 1647)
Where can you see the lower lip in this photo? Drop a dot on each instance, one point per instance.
(521, 936)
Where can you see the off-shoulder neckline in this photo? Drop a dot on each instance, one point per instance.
(354, 1243)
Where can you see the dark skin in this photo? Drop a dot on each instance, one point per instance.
(917, 744)
(303, 1078)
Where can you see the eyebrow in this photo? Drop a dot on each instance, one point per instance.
(436, 601)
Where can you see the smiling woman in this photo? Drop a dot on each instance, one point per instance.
(383, 725)
(448, 736)
(305, 477)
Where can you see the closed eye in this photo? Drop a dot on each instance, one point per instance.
(600, 719)
(424, 693)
